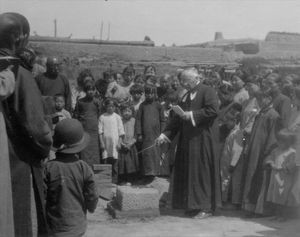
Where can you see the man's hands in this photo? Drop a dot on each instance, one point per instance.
(162, 139)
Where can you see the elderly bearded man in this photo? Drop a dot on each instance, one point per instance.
(196, 172)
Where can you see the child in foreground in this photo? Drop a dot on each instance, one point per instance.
(71, 189)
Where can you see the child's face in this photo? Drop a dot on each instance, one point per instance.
(59, 103)
(90, 93)
(110, 108)
(127, 113)
(149, 96)
(128, 76)
(119, 78)
(140, 82)
(136, 96)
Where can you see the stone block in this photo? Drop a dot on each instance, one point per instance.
(134, 198)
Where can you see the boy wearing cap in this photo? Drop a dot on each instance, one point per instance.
(71, 189)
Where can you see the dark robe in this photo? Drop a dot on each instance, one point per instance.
(150, 122)
(88, 111)
(282, 104)
(53, 86)
(29, 138)
(196, 168)
(261, 143)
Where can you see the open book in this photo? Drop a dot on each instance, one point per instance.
(178, 110)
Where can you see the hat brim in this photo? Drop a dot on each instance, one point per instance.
(75, 149)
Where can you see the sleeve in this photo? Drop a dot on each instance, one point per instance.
(90, 191)
(162, 117)
(285, 112)
(237, 148)
(271, 130)
(138, 121)
(121, 131)
(29, 115)
(209, 110)
(172, 127)
(68, 94)
(68, 115)
(7, 83)
(101, 125)
(289, 164)
(75, 112)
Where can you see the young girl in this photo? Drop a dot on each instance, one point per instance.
(137, 93)
(283, 166)
(128, 158)
(150, 122)
(111, 132)
(87, 111)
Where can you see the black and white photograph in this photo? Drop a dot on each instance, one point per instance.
(149, 118)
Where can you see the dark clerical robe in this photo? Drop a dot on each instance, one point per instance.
(196, 169)
(261, 143)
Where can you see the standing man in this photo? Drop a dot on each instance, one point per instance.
(52, 82)
(196, 170)
(29, 137)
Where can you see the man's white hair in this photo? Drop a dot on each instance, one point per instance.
(191, 72)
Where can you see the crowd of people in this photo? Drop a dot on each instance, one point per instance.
(228, 141)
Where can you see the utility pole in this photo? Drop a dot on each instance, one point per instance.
(101, 30)
(55, 28)
(108, 31)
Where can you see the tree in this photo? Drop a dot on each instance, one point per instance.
(147, 38)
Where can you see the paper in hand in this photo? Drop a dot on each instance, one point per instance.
(178, 110)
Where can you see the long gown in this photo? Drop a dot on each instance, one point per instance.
(87, 111)
(261, 143)
(150, 122)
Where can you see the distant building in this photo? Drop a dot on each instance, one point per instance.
(283, 37)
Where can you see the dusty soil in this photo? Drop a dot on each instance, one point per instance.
(173, 223)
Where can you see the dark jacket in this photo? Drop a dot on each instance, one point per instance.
(71, 192)
(29, 139)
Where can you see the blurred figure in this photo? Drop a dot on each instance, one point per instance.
(281, 103)
(29, 135)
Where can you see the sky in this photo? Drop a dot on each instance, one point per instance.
(165, 21)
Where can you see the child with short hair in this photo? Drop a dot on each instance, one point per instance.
(283, 166)
(128, 157)
(137, 92)
(71, 189)
(150, 122)
(111, 133)
(60, 113)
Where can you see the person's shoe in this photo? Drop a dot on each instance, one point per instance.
(191, 212)
(202, 215)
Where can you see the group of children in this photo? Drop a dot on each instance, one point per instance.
(123, 122)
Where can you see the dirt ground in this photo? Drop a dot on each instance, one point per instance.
(172, 223)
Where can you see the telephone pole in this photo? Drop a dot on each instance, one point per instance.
(101, 30)
(108, 31)
(55, 28)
